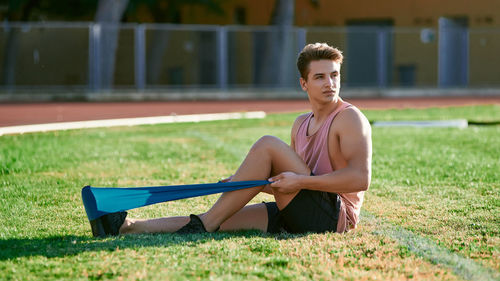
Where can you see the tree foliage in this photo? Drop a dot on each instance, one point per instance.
(35, 10)
(85, 10)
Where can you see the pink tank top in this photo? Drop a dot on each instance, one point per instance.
(313, 150)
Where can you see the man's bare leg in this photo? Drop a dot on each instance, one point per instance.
(268, 156)
(167, 224)
(250, 217)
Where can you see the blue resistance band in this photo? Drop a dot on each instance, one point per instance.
(99, 201)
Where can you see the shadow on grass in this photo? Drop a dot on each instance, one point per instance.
(69, 245)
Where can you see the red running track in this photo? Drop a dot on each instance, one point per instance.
(12, 114)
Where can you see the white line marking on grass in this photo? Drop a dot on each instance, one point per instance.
(459, 123)
(426, 248)
(130, 122)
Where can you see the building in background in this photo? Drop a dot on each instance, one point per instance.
(245, 44)
(409, 59)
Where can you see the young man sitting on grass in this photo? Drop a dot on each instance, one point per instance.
(318, 181)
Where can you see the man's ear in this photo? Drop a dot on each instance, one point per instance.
(303, 84)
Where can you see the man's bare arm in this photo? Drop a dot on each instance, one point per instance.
(354, 135)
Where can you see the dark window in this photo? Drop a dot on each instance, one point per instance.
(240, 16)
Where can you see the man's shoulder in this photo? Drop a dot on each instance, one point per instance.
(352, 112)
(297, 123)
(301, 118)
(351, 117)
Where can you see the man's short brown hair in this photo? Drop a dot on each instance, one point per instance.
(316, 51)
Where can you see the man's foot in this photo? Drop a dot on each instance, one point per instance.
(108, 224)
(195, 225)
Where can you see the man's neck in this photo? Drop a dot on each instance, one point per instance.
(322, 111)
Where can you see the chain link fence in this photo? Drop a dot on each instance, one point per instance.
(92, 58)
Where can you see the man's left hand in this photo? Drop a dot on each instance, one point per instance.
(287, 182)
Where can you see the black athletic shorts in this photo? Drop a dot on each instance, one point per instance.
(309, 211)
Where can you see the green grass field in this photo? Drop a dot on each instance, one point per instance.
(433, 187)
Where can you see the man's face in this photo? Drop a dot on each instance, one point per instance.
(323, 81)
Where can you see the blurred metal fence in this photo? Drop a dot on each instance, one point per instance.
(72, 56)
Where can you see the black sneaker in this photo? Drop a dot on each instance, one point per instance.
(195, 225)
(108, 224)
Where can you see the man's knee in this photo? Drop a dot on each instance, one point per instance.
(267, 142)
